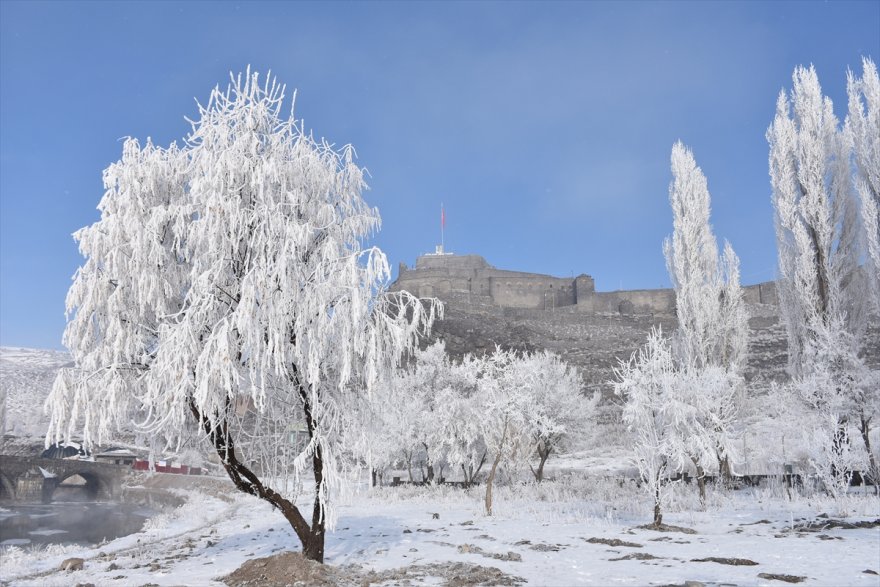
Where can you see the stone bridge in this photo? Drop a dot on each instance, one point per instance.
(36, 479)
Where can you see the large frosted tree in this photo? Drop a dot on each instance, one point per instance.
(863, 127)
(816, 217)
(822, 294)
(227, 290)
(709, 344)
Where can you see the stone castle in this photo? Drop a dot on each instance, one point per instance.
(444, 275)
(591, 330)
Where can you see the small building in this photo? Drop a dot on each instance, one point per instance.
(116, 456)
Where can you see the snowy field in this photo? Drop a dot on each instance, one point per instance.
(560, 533)
(569, 532)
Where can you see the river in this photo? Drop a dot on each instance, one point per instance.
(85, 523)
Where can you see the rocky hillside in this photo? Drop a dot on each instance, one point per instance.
(595, 343)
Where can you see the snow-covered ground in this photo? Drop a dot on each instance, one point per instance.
(561, 533)
(558, 533)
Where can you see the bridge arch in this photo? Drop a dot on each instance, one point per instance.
(28, 478)
(96, 486)
(7, 487)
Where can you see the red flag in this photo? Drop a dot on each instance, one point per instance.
(442, 217)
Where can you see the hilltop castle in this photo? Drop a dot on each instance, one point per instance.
(445, 275)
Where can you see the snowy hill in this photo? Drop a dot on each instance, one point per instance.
(26, 377)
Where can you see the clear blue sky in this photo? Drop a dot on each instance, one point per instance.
(545, 128)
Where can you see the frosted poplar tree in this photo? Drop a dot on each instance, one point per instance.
(821, 296)
(226, 290)
(816, 217)
(710, 342)
(863, 126)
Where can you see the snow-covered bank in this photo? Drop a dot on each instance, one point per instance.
(546, 536)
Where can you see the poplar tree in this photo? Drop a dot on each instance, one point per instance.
(822, 294)
(709, 345)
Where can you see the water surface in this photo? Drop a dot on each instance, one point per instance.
(85, 523)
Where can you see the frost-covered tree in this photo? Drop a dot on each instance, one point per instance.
(647, 384)
(816, 217)
(863, 126)
(837, 385)
(226, 289)
(560, 413)
(822, 298)
(505, 404)
(709, 345)
(417, 421)
(459, 416)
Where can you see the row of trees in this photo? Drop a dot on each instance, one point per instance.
(503, 408)
(684, 393)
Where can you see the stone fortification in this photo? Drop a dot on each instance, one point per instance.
(442, 275)
(592, 330)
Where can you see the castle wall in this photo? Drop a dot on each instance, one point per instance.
(452, 262)
(639, 301)
(532, 291)
(761, 293)
(470, 275)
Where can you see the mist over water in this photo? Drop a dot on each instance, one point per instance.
(78, 522)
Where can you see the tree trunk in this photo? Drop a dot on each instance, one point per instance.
(373, 476)
(865, 429)
(539, 472)
(313, 549)
(658, 516)
(489, 481)
(312, 538)
(724, 471)
(701, 482)
(838, 443)
(430, 476)
(494, 470)
(469, 474)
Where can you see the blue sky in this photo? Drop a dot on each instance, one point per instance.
(545, 128)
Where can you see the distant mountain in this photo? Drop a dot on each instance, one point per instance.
(26, 377)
